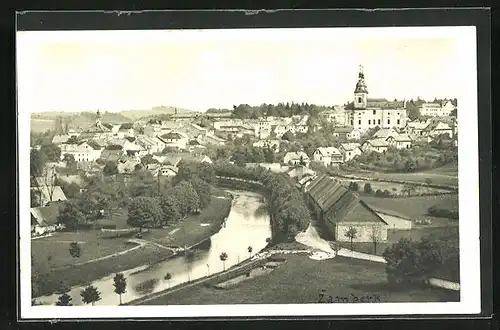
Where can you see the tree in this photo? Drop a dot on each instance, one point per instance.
(335, 247)
(189, 201)
(70, 161)
(250, 249)
(170, 208)
(37, 162)
(351, 234)
(111, 168)
(75, 251)
(408, 189)
(144, 212)
(120, 284)
(64, 300)
(288, 136)
(72, 140)
(51, 151)
(353, 186)
(375, 233)
(223, 257)
(368, 188)
(168, 277)
(410, 261)
(202, 190)
(90, 295)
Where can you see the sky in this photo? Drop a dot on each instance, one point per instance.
(201, 69)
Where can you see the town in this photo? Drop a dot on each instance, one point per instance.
(349, 192)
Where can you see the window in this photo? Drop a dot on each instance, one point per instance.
(369, 122)
(379, 121)
(398, 121)
(360, 100)
(388, 121)
(359, 122)
(352, 122)
(398, 113)
(374, 112)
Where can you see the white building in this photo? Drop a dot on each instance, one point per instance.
(369, 113)
(350, 150)
(295, 158)
(443, 109)
(378, 145)
(328, 156)
(83, 152)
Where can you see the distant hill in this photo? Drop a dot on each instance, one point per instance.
(44, 121)
(155, 111)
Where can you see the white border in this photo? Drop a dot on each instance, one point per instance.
(468, 182)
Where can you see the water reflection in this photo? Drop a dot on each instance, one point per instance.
(247, 225)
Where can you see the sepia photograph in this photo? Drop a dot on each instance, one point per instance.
(248, 172)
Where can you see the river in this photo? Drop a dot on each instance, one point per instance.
(248, 224)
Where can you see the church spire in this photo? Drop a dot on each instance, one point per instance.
(98, 118)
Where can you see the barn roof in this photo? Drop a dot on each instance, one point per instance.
(341, 204)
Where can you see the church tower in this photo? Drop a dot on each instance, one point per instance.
(361, 92)
(98, 119)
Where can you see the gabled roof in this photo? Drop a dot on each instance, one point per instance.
(57, 139)
(172, 136)
(401, 138)
(339, 203)
(350, 146)
(57, 193)
(45, 216)
(384, 132)
(296, 155)
(348, 129)
(328, 151)
(379, 142)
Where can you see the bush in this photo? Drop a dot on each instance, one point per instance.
(368, 188)
(353, 186)
(439, 212)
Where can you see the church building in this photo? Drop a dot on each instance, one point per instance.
(366, 113)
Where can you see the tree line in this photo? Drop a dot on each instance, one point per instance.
(287, 207)
(245, 111)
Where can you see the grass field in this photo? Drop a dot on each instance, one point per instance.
(446, 175)
(413, 207)
(301, 279)
(191, 230)
(53, 263)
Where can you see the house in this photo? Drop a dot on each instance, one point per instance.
(437, 109)
(175, 140)
(296, 158)
(45, 194)
(165, 171)
(60, 139)
(350, 150)
(394, 220)
(437, 129)
(303, 183)
(385, 133)
(125, 130)
(175, 158)
(128, 165)
(328, 156)
(299, 171)
(415, 127)
(273, 167)
(339, 210)
(87, 151)
(378, 145)
(401, 141)
(343, 132)
(112, 155)
(44, 219)
(150, 144)
(272, 144)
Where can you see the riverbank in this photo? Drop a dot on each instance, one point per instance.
(50, 277)
(300, 280)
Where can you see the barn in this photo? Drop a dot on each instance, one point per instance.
(338, 209)
(395, 220)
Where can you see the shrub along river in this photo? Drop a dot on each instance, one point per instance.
(248, 224)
